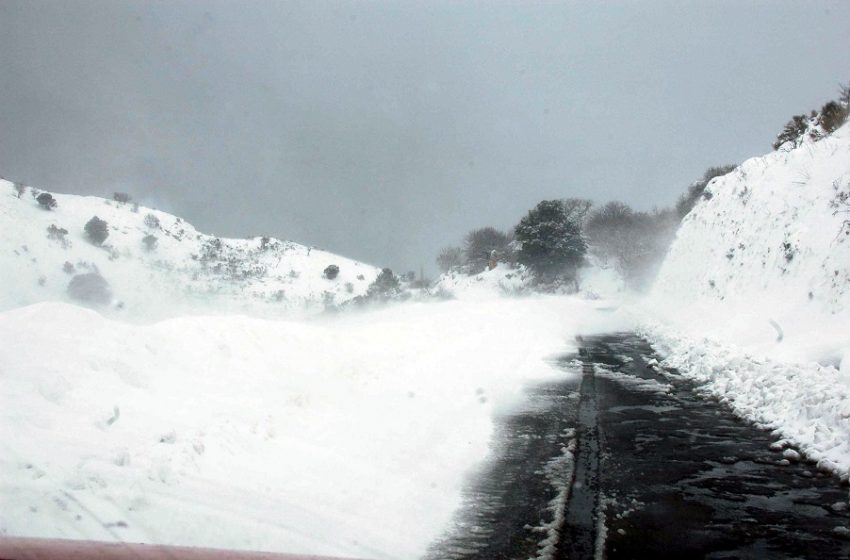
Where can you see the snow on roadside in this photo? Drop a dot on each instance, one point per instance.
(346, 435)
(806, 404)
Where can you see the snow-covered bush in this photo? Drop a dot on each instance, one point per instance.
(386, 287)
(149, 241)
(97, 230)
(793, 132)
(151, 221)
(90, 288)
(55, 233)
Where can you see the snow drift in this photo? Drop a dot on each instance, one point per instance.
(346, 435)
(754, 295)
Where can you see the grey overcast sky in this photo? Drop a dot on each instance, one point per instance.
(385, 130)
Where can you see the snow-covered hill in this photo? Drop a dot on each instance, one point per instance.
(769, 244)
(754, 295)
(177, 270)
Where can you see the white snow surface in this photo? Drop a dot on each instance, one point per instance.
(186, 273)
(753, 298)
(342, 435)
(595, 282)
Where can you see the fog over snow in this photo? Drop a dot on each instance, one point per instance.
(386, 130)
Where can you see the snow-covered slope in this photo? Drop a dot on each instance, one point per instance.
(754, 295)
(769, 244)
(184, 272)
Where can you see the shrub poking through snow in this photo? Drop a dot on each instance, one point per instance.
(151, 221)
(97, 230)
(46, 201)
(832, 116)
(121, 197)
(68, 268)
(149, 241)
(385, 287)
(19, 189)
(794, 130)
(91, 288)
(58, 234)
(331, 271)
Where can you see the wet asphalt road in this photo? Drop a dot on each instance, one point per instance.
(625, 460)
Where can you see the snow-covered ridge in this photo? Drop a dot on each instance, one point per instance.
(769, 229)
(753, 298)
(184, 272)
(769, 245)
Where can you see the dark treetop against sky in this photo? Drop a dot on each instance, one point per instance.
(385, 130)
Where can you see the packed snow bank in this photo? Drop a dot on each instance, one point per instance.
(348, 435)
(159, 266)
(807, 404)
(754, 296)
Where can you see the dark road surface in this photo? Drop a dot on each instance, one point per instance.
(626, 460)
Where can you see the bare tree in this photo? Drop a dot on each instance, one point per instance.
(450, 258)
(844, 94)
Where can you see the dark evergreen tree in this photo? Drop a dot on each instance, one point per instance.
(552, 243)
(97, 230)
(331, 271)
(46, 201)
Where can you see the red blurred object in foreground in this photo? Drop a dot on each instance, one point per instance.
(60, 549)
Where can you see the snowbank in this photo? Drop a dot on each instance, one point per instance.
(183, 272)
(347, 435)
(595, 282)
(500, 281)
(754, 296)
